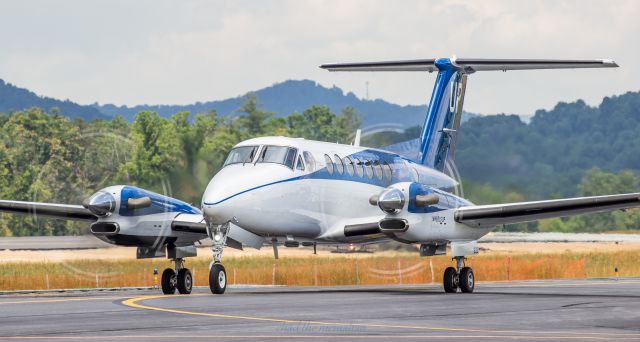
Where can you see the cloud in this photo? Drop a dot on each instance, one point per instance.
(181, 52)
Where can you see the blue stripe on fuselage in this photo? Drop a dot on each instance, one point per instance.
(400, 173)
(255, 188)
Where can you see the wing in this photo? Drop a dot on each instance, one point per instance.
(51, 210)
(492, 215)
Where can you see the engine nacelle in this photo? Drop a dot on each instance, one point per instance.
(130, 216)
(418, 213)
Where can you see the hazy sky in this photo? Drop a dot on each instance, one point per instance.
(176, 52)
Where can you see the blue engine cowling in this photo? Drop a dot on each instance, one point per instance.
(131, 216)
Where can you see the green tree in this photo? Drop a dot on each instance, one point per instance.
(254, 120)
(594, 183)
(319, 123)
(156, 152)
(190, 181)
(40, 162)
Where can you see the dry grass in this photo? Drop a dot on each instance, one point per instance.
(384, 268)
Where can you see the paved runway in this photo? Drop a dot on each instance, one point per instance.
(595, 309)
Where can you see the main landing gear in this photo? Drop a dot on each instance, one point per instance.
(180, 279)
(461, 278)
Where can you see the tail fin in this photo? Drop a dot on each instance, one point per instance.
(440, 129)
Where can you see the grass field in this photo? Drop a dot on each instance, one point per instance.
(324, 269)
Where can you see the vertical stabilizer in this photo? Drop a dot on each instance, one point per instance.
(440, 128)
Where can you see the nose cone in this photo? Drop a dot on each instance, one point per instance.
(231, 192)
(218, 199)
(225, 184)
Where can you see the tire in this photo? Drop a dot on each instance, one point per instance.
(185, 281)
(449, 280)
(168, 281)
(217, 279)
(467, 280)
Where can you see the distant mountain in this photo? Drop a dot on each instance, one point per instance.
(14, 99)
(294, 96)
(281, 98)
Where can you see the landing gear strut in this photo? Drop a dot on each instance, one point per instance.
(462, 278)
(217, 273)
(182, 280)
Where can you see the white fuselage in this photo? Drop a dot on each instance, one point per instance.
(317, 197)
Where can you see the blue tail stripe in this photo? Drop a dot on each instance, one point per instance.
(437, 113)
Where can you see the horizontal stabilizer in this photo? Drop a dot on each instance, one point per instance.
(496, 214)
(470, 65)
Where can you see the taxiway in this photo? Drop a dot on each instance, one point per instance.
(576, 309)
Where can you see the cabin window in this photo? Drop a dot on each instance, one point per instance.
(279, 155)
(348, 165)
(242, 154)
(309, 160)
(329, 163)
(377, 169)
(359, 167)
(299, 164)
(368, 169)
(386, 171)
(339, 165)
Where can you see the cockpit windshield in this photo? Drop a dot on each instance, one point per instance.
(243, 154)
(278, 154)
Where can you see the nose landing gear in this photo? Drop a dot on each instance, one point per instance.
(217, 279)
(462, 278)
(182, 280)
(217, 273)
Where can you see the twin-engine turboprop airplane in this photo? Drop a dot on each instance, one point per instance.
(292, 191)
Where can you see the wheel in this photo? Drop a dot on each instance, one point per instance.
(466, 280)
(217, 279)
(168, 281)
(185, 281)
(449, 280)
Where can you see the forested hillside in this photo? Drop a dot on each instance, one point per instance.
(549, 156)
(570, 150)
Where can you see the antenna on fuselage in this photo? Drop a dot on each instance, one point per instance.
(356, 141)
